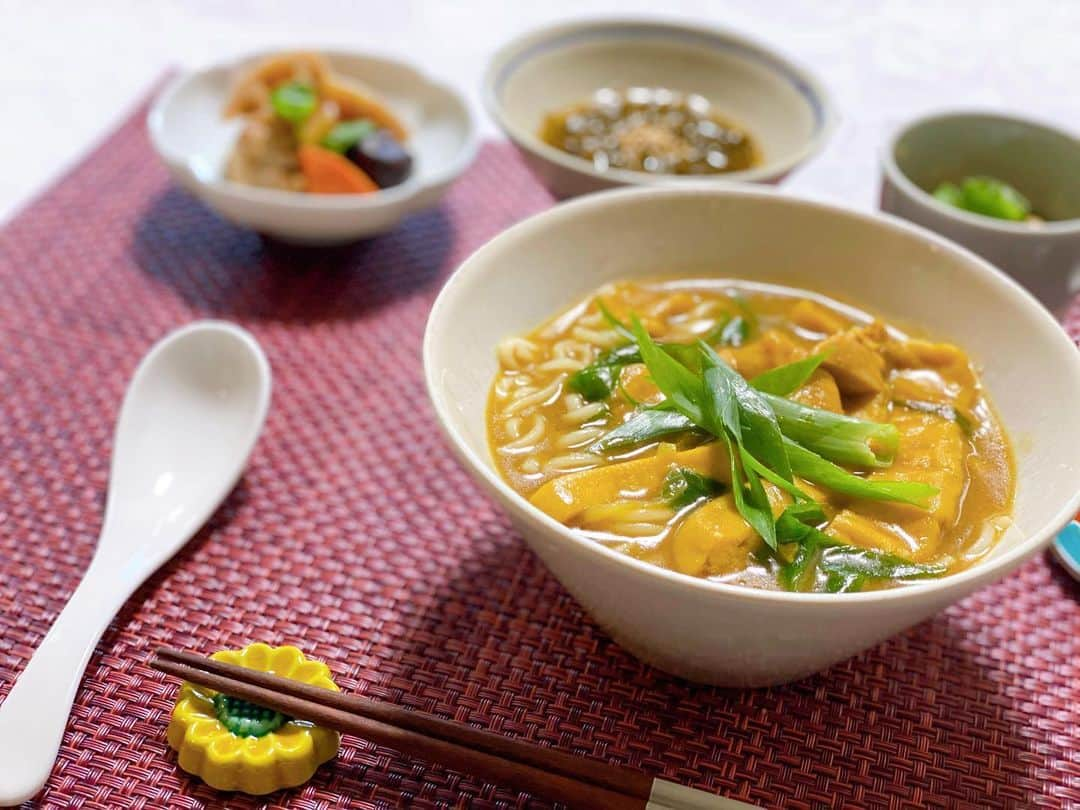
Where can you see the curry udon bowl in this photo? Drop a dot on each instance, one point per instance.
(702, 629)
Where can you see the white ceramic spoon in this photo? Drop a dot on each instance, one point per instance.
(188, 423)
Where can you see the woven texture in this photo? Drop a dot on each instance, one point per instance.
(356, 536)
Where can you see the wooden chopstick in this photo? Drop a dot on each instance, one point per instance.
(612, 777)
(577, 782)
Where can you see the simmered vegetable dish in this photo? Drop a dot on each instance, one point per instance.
(311, 130)
(753, 434)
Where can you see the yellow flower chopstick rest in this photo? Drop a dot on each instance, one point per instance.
(232, 744)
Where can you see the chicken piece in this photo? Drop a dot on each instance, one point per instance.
(570, 494)
(854, 358)
(820, 391)
(932, 451)
(815, 317)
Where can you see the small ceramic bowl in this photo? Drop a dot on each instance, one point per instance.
(711, 631)
(1041, 162)
(781, 105)
(191, 136)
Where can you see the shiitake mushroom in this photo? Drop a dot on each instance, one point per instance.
(382, 157)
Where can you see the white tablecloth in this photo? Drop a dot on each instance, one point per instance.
(70, 69)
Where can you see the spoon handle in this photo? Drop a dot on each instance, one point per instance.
(35, 712)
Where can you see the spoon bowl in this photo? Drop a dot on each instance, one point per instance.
(189, 421)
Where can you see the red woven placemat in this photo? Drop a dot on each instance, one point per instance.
(357, 537)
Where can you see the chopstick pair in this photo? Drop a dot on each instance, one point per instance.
(574, 781)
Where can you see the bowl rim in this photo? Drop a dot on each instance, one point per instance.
(513, 501)
(402, 193)
(917, 194)
(660, 25)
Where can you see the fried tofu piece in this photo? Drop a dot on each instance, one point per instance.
(714, 539)
(932, 451)
(820, 391)
(774, 348)
(932, 372)
(570, 494)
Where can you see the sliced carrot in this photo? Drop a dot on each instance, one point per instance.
(327, 172)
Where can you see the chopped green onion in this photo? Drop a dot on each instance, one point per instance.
(614, 322)
(643, 426)
(750, 500)
(681, 386)
(846, 567)
(839, 438)
(755, 427)
(785, 380)
(345, 135)
(809, 465)
(730, 331)
(793, 525)
(294, 101)
(749, 317)
(788, 486)
(735, 333)
(598, 379)
(796, 575)
(723, 417)
(853, 561)
(594, 382)
(684, 486)
(846, 582)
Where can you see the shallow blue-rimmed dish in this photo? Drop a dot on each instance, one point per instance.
(782, 106)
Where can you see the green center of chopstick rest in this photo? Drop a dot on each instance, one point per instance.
(245, 719)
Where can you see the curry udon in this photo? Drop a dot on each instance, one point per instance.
(753, 434)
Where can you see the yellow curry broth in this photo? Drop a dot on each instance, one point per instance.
(542, 433)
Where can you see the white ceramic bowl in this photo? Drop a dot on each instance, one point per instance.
(1041, 161)
(780, 104)
(189, 133)
(710, 631)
